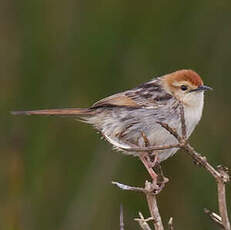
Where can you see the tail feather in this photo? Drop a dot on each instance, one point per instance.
(56, 112)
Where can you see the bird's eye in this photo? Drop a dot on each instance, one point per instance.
(184, 87)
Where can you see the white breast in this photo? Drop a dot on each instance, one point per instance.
(193, 110)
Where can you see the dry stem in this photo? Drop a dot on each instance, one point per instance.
(150, 192)
(121, 217)
(170, 224)
(222, 197)
(214, 217)
(143, 222)
(220, 175)
(153, 207)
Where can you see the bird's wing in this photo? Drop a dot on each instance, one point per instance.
(119, 99)
(150, 94)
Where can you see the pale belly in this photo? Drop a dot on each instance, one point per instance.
(123, 129)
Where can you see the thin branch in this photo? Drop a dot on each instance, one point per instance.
(121, 217)
(214, 217)
(183, 123)
(170, 130)
(220, 175)
(127, 187)
(153, 188)
(149, 191)
(197, 157)
(153, 207)
(222, 198)
(151, 148)
(143, 222)
(170, 224)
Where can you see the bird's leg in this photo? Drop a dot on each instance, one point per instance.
(161, 180)
(156, 173)
(152, 157)
(144, 157)
(151, 162)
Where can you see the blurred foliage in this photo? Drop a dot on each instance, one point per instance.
(55, 173)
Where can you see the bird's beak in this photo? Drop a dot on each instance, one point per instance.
(202, 88)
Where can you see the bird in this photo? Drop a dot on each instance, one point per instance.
(125, 118)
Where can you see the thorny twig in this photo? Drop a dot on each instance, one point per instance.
(153, 207)
(151, 200)
(183, 123)
(222, 196)
(143, 222)
(127, 187)
(151, 148)
(214, 217)
(121, 217)
(170, 224)
(220, 175)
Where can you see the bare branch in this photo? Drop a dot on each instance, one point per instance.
(143, 222)
(201, 161)
(170, 130)
(221, 176)
(214, 217)
(189, 149)
(151, 200)
(153, 207)
(170, 224)
(222, 197)
(151, 148)
(151, 189)
(183, 124)
(121, 217)
(127, 187)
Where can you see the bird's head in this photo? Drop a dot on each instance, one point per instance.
(186, 85)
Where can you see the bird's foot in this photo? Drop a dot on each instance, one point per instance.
(147, 163)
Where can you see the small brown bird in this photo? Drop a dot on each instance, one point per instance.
(122, 118)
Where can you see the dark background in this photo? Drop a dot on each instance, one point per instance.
(55, 173)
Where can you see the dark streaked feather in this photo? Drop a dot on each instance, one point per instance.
(145, 95)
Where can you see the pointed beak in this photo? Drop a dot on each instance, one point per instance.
(202, 88)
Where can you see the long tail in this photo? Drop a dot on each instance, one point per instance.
(57, 112)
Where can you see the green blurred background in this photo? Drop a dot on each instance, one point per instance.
(55, 173)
